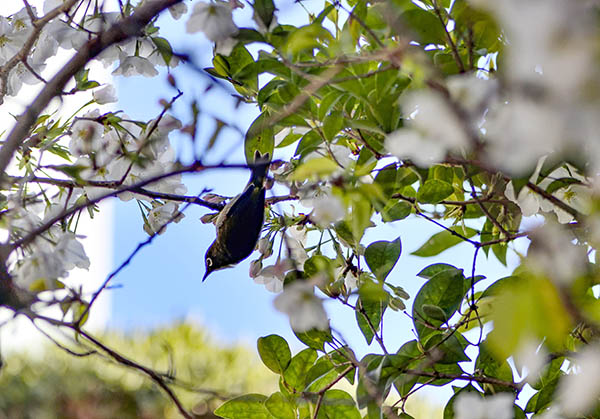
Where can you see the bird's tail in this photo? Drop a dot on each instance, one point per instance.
(260, 167)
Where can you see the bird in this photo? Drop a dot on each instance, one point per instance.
(240, 222)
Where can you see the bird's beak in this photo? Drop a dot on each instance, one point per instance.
(205, 275)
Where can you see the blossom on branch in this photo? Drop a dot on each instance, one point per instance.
(304, 308)
(213, 19)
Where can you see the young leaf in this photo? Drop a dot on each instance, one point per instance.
(314, 338)
(434, 191)
(337, 404)
(264, 10)
(259, 138)
(295, 374)
(443, 240)
(243, 407)
(368, 317)
(320, 375)
(435, 269)
(280, 407)
(274, 353)
(381, 256)
(426, 26)
(445, 291)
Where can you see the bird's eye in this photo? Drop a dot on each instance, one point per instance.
(208, 262)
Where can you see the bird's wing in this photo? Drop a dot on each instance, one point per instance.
(234, 205)
(222, 216)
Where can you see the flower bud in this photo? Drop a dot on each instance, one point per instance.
(255, 268)
(265, 247)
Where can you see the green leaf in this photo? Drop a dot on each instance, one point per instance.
(337, 404)
(314, 168)
(434, 191)
(425, 25)
(406, 354)
(450, 346)
(280, 407)
(289, 139)
(381, 257)
(361, 217)
(405, 383)
(247, 35)
(328, 102)
(550, 373)
(274, 352)
(164, 48)
(435, 269)
(314, 338)
(444, 290)
(309, 143)
(394, 211)
(82, 82)
(259, 138)
(268, 91)
(530, 307)
(320, 375)
(296, 373)
(434, 312)
(332, 124)
(249, 406)
(265, 10)
(392, 179)
(443, 240)
(318, 264)
(307, 38)
(368, 317)
(543, 398)
(500, 250)
(492, 366)
(341, 358)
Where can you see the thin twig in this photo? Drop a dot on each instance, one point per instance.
(455, 53)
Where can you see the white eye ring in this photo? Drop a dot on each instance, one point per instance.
(208, 262)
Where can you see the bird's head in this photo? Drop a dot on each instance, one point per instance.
(215, 259)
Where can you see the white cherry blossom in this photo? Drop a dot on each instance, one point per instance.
(178, 10)
(470, 405)
(213, 19)
(579, 390)
(552, 253)
(71, 252)
(107, 94)
(86, 134)
(520, 131)
(432, 130)
(160, 215)
(304, 308)
(527, 200)
(272, 276)
(531, 358)
(409, 144)
(327, 209)
(40, 265)
(134, 66)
